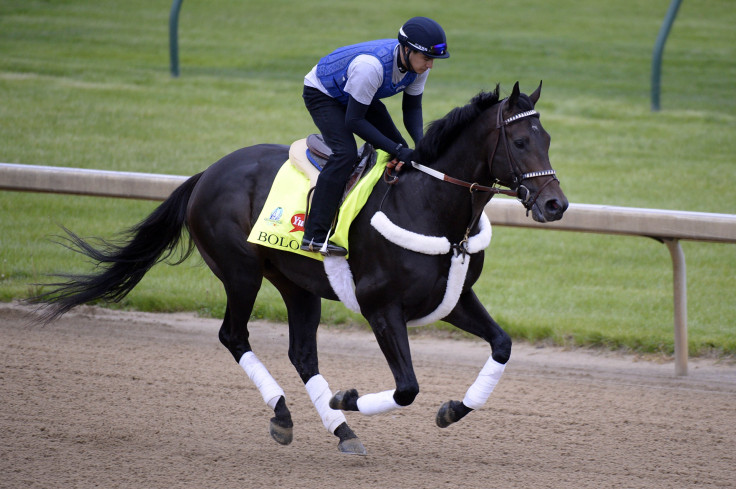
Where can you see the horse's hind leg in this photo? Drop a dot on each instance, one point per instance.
(236, 340)
(470, 315)
(304, 311)
(242, 275)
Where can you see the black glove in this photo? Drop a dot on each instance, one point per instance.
(404, 154)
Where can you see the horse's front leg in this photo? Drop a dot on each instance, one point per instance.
(390, 330)
(470, 315)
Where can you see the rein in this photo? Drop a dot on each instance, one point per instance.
(501, 124)
(456, 181)
(527, 199)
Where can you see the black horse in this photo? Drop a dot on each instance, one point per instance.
(419, 266)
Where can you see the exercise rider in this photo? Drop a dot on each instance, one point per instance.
(342, 94)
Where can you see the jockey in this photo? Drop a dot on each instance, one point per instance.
(342, 94)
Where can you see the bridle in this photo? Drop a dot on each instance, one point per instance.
(515, 189)
(521, 192)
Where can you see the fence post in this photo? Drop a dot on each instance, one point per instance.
(679, 275)
(664, 31)
(174, 37)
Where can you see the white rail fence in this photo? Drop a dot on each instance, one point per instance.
(670, 227)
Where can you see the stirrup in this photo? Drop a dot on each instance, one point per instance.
(326, 248)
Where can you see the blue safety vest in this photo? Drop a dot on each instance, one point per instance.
(332, 70)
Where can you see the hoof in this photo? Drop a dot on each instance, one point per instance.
(444, 416)
(282, 432)
(345, 400)
(451, 412)
(353, 446)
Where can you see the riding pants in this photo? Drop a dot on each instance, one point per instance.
(329, 116)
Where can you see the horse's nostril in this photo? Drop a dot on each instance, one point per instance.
(555, 208)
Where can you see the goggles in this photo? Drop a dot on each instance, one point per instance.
(438, 49)
(435, 50)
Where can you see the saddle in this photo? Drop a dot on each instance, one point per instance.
(310, 154)
(280, 224)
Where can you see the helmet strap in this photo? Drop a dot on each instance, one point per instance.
(404, 52)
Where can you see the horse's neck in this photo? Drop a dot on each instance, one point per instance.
(429, 206)
(464, 160)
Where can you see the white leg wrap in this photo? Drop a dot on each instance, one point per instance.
(378, 403)
(481, 389)
(319, 393)
(257, 372)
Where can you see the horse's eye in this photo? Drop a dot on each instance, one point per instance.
(520, 143)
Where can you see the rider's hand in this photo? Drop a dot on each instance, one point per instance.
(405, 154)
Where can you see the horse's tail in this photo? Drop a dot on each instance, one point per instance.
(121, 265)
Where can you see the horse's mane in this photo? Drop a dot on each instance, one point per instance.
(442, 132)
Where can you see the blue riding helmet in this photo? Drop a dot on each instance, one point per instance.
(425, 36)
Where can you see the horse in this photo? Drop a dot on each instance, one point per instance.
(416, 249)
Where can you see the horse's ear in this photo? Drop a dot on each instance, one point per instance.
(535, 96)
(514, 97)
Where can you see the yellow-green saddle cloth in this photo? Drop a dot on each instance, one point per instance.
(281, 222)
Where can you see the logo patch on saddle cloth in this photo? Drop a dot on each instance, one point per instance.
(280, 224)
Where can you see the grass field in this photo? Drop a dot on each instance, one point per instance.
(86, 84)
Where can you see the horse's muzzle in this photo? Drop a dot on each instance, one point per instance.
(549, 209)
(546, 203)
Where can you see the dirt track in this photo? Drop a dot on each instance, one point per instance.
(107, 399)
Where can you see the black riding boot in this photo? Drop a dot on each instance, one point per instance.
(325, 202)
